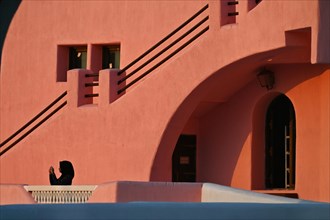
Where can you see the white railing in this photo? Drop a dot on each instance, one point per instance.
(61, 194)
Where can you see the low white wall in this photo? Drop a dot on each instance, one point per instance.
(61, 194)
(217, 193)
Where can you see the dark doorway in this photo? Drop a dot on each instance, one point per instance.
(280, 144)
(184, 159)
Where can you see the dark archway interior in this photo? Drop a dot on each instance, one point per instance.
(280, 144)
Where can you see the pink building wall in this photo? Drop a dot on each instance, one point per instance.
(14, 194)
(231, 133)
(146, 191)
(211, 81)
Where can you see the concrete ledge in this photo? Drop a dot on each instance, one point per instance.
(104, 193)
(14, 194)
(61, 194)
(217, 193)
(133, 191)
(128, 191)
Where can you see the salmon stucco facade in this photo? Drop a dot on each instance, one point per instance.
(235, 93)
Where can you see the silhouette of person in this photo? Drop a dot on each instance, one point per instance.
(66, 169)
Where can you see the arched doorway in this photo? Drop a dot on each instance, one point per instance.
(280, 149)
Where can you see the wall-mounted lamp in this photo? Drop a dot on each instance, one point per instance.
(266, 79)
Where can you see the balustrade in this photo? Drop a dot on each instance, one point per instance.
(61, 194)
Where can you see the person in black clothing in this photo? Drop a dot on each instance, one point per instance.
(67, 171)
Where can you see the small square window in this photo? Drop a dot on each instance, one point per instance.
(77, 57)
(70, 57)
(111, 56)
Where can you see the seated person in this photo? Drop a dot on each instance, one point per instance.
(67, 171)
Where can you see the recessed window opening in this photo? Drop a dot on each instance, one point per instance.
(78, 57)
(70, 57)
(280, 144)
(111, 56)
(228, 11)
(253, 3)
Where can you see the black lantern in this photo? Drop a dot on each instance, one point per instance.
(266, 79)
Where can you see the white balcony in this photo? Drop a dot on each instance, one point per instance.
(61, 194)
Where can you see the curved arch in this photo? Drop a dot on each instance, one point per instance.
(219, 82)
(280, 144)
(161, 168)
(226, 82)
(7, 11)
(258, 140)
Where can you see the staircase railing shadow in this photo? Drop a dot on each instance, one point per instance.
(172, 45)
(33, 124)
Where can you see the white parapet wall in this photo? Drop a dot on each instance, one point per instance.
(218, 193)
(217, 202)
(126, 191)
(129, 191)
(61, 194)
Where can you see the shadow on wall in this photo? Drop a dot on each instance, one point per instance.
(218, 82)
(8, 9)
(258, 140)
(238, 78)
(288, 76)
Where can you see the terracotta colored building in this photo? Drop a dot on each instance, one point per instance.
(235, 93)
